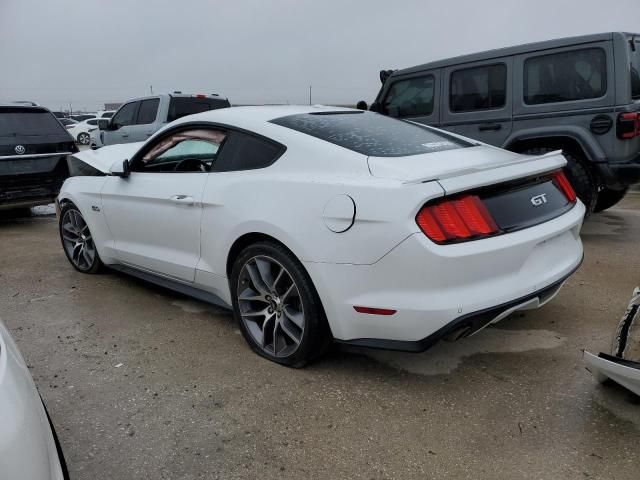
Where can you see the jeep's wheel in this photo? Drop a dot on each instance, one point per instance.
(276, 305)
(607, 198)
(579, 176)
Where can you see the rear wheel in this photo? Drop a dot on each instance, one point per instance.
(580, 177)
(607, 198)
(77, 241)
(276, 305)
(83, 138)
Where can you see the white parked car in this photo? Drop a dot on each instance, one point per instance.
(81, 131)
(29, 447)
(318, 223)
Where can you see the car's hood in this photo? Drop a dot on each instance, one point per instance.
(464, 167)
(103, 158)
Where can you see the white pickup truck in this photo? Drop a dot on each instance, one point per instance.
(138, 119)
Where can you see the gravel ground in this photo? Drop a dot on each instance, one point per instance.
(143, 383)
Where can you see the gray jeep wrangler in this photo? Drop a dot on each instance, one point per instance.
(580, 94)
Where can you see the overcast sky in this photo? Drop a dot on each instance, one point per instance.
(261, 51)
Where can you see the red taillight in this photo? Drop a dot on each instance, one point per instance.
(374, 311)
(560, 181)
(199, 95)
(628, 125)
(456, 219)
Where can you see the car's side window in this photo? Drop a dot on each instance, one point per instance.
(565, 76)
(478, 88)
(410, 98)
(148, 111)
(126, 115)
(242, 151)
(184, 151)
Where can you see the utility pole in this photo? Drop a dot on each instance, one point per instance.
(309, 94)
(151, 87)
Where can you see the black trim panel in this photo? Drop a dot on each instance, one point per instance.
(174, 285)
(472, 322)
(566, 113)
(619, 361)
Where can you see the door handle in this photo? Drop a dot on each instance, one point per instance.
(489, 126)
(182, 199)
(125, 134)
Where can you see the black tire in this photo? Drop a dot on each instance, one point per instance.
(314, 338)
(607, 198)
(83, 138)
(81, 265)
(578, 174)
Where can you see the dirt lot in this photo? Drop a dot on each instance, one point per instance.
(144, 383)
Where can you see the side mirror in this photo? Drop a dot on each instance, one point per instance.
(120, 169)
(362, 105)
(103, 124)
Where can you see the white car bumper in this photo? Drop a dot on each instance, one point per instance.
(27, 445)
(436, 289)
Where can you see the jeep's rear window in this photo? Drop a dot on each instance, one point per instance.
(478, 88)
(634, 53)
(22, 121)
(371, 134)
(565, 76)
(182, 106)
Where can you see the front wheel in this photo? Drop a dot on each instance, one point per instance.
(276, 305)
(77, 240)
(83, 138)
(607, 198)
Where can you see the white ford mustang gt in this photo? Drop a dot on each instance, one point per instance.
(317, 223)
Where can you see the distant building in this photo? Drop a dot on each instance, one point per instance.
(112, 106)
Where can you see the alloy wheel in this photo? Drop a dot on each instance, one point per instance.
(83, 138)
(77, 240)
(270, 306)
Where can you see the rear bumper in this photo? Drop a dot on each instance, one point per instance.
(31, 181)
(465, 325)
(435, 289)
(620, 175)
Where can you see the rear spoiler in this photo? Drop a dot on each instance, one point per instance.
(543, 163)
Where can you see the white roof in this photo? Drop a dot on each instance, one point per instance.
(255, 118)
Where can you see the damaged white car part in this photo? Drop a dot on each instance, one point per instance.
(623, 365)
(319, 223)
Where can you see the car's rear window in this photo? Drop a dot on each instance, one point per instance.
(23, 121)
(182, 106)
(371, 134)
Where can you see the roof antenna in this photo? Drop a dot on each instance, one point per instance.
(632, 43)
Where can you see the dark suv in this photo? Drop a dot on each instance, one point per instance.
(580, 94)
(33, 150)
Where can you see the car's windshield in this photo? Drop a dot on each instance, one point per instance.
(371, 134)
(634, 53)
(16, 122)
